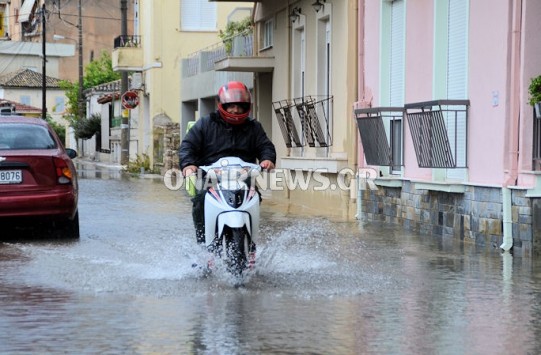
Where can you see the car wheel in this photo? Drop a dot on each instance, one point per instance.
(71, 229)
(68, 229)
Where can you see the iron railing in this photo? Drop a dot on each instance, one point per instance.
(203, 60)
(439, 132)
(381, 146)
(129, 41)
(310, 115)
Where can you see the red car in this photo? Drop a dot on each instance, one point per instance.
(38, 180)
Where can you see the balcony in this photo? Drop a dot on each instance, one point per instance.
(235, 55)
(127, 54)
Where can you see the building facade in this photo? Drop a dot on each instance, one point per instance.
(165, 32)
(447, 136)
(305, 86)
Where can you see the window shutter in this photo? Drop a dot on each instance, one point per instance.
(198, 15)
(457, 79)
(397, 54)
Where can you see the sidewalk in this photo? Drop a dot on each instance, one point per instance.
(88, 161)
(83, 164)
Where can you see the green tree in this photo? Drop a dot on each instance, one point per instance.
(59, 129)
(100, 71)
(97, 72)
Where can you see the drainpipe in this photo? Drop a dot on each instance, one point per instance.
(360, 95)
(289, 60)
(514, 117)
(507, 220)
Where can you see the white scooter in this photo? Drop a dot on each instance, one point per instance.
(232, 212)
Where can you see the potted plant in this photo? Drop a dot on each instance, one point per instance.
(235, 29)
(535, 95)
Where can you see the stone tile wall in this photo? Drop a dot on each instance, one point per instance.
(474, 216)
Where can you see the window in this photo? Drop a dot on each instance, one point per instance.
(451, 75)
(198, 15)
(536, 142)
(17, 136)
(393, 76)
(2, 17)
(324, 65)
(298, 46)
(59, 104)
(25, 100)
(268, 28)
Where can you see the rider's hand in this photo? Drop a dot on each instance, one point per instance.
(266, 165)
(189, 170)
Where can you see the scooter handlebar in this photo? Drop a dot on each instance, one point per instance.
(230, 163)
(233, 167)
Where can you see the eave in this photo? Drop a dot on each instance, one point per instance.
(245, 64)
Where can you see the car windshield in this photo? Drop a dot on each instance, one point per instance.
(15, 136)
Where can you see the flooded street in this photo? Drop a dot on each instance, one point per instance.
(320, 286)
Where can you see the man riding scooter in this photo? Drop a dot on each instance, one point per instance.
(227, 132)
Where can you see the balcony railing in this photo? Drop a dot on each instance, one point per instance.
(439, 132)
(204, 59)
(127, 54)
(378, 145)
(309, 115)
(127, 41)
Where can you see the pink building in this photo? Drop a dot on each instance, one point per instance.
(445, 125)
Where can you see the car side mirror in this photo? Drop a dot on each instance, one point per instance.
(71, 153)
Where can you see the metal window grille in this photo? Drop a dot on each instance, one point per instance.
(314, 115)
(439, 132)
(283, 112)
(310, 115)
(378, 145)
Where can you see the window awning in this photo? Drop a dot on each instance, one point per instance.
(26, 10)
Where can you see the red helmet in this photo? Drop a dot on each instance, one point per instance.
(237, 93)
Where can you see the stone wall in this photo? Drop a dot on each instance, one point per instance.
(474, 216)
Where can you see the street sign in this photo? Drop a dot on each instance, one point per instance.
(130, 100)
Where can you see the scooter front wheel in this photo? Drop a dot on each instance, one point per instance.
(236, 247)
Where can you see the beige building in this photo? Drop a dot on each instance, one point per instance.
(24, 87)
(165, 32)
(304, 63)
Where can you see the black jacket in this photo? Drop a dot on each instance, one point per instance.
(211, 138)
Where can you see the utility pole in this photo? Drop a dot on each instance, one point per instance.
(125, 126)
(43, 70)
(80, 100)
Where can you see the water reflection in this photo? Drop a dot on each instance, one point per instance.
(92, 170)
(321, 286)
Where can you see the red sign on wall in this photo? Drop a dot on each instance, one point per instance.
(130, 100)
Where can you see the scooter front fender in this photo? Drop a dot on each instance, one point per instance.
(234, 219)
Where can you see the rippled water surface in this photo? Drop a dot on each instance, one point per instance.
(321, 286)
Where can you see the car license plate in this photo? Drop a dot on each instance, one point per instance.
(11, 176)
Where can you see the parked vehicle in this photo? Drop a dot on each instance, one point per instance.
(38, 180)
(232, 213)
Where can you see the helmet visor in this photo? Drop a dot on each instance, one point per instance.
(244, 106)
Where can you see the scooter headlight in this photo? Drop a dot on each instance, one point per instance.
(234, 198)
